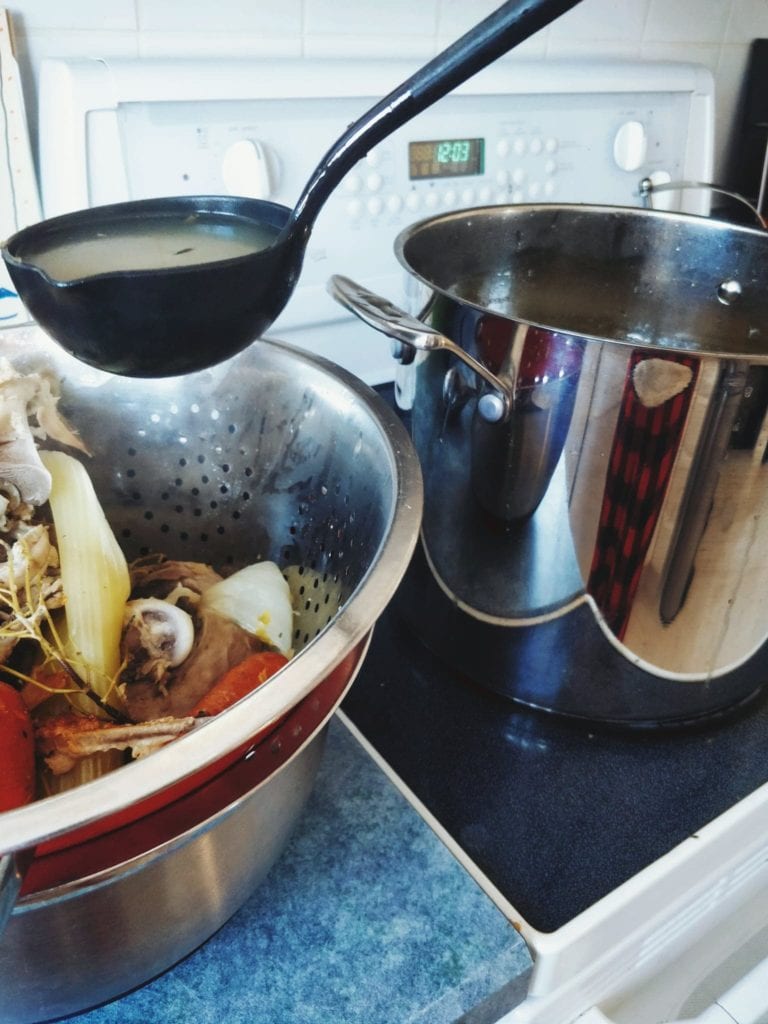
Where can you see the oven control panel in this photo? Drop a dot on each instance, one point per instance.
(466, 151)
(518, 132)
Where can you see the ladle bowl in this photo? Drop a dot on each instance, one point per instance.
(166, 321)
(160, 321)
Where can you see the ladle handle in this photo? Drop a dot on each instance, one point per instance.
(508, 26)
(384, 316)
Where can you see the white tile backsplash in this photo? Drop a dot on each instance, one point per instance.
(749, 20)
(716, 33)
(350, 17)
(266, 17)
(603, 20)
(682, 21)
(454, 17)
(74, 14)
(218, 44)
(381, 46)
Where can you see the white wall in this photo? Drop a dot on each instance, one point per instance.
(716, 33)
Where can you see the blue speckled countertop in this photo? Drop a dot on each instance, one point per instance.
(365, 918)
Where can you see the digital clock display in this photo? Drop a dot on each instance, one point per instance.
(445, 158)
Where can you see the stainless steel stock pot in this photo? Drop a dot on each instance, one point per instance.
(590, 399)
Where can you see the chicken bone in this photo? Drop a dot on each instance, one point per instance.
(62, 740)
(28, 413)
(157, 636)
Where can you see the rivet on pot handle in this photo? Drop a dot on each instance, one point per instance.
(383, 316)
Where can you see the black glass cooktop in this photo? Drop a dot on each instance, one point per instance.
(555, 813)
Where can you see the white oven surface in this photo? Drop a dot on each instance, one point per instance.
(560, 132)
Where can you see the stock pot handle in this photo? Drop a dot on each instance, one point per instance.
(383, 316)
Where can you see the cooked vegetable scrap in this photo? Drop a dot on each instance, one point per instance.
(17, 751)
(220, 641)
(102, 659)
(239, 681)
(258, 599)
(29, 577)
(94, 574)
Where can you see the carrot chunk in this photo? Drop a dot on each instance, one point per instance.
(17, 750)
(239, 681)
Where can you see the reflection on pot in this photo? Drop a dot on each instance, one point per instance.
(652, 415)
(513, 461)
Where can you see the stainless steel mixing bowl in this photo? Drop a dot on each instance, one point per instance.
(272, 455)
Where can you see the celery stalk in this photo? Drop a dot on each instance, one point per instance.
(94, 573)
(85, 770)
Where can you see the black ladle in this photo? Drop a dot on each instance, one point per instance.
(179, 319)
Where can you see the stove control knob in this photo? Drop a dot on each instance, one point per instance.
(630, 145)
(248, 169)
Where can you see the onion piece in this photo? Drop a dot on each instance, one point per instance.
(258, 599)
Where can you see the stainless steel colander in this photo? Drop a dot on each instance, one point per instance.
(272, 455)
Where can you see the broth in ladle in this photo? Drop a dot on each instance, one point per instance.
(152, 243)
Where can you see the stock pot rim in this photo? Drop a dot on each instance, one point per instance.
(413, 241)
